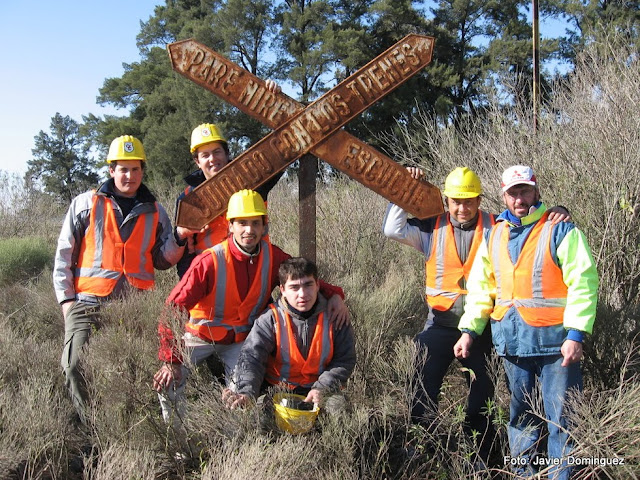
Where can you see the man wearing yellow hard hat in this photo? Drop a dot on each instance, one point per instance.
(210, 152)
(111, 240)
(294, 345)
(449, 243)
(224, 290)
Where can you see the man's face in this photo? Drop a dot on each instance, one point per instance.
(520, 198)
(210, 158)
(463, 209)
(301, 293)
(247, 232)
(127, 176)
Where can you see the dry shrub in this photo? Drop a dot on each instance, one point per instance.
(25, 211)
(119, 365)
(607, 426)
(121, 461)
(36, 433)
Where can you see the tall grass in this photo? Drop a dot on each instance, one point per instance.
(585, 161)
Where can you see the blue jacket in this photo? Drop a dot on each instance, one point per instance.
(512, 336)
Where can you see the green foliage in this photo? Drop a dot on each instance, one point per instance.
(61, 160)
(23, 258)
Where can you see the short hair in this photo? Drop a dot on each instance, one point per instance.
(114, 163)
(295, 268)
(225, 146)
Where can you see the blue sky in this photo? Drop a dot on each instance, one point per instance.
(55, 57)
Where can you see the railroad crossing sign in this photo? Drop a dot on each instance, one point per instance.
(299, 130)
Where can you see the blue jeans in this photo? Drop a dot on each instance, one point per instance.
(525, 427)
(438, 341)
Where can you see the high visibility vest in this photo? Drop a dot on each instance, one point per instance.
(289, 366)
(534, 285)
(104, 257)
(222, 316)
(443, 269)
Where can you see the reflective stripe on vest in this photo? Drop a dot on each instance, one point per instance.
(104, 257)
(443, 268)
(534, 285)
(289, 366)
(222, 316)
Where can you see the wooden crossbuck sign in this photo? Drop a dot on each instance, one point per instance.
(298, 130)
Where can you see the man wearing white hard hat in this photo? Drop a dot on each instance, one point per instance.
(537, 284)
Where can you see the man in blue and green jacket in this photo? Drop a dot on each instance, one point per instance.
(537, 283)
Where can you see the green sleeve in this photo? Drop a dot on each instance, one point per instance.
(482, 293)
(580, 274)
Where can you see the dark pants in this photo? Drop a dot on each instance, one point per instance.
(436, 342)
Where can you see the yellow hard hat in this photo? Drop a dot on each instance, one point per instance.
(126, 147)
(244, 204)
(205, 133)
(462, 183)
(290, 417)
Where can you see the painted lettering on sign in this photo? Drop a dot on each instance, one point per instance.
(316, 128)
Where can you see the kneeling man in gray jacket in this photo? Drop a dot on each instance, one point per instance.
(293, 344)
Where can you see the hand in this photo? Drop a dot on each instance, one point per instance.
(65, 307)
(184, 232)
(188, 234)
(314, 396)
(571, 351)
(273, 87)
(462, 348)
(338, 311)
(170, 372)
(234, 400)
(415, 172)
(559, 214)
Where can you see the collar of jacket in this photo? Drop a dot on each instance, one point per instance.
(239, 254)
(143, 195)
(319, 307)
(470, 225)
(533, 217)
(195, 178)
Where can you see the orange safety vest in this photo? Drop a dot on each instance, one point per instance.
(222, 316)
(289, 366)
(443, 268)
(104, 257)
(534, 285)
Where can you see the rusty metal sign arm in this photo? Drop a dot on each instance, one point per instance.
(316, 128)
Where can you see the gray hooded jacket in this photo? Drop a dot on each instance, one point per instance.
(261, 344)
